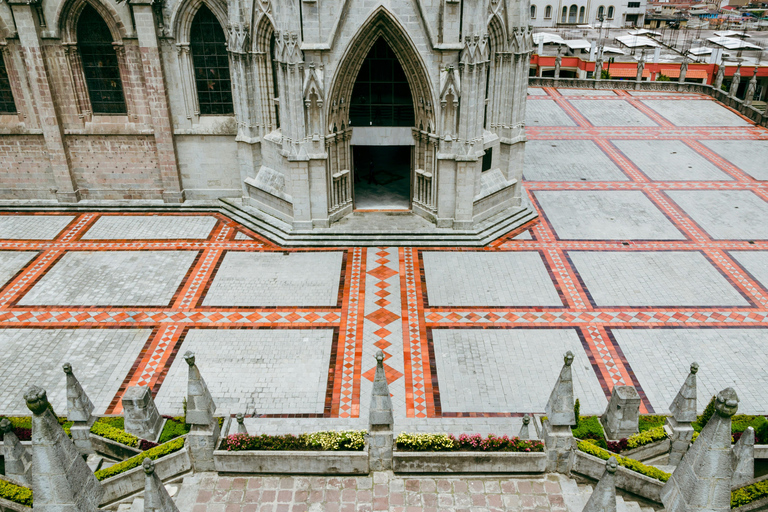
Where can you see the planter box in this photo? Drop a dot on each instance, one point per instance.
(630, 481)
(130, 482)
(761, 451)
(8, 506)
(291, 462)
(469, 462)
(648, 451)
(112, 449)
(761, 504)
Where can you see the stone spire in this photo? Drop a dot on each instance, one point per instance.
(559, 408)
(603, 498)
(156, 497)
(736, 81)
(79, 406)
(683, 407)
(621, 416)
(558, 63)
(200, 405)
(524, 433)
(719, 76)
(744, 458)
(751, 88)
(683, 69)
(702, 480)
(18, 461)
(241, 423)
(57, 464)
(381, 421)
(640, 66)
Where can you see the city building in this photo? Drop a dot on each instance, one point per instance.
(565, 13)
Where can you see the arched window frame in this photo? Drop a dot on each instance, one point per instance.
(572, 13)
(600, 12)
(548, 12)
(8, 108)
(224, 108)
(581, 14)
(611, 11)
(533, 11)
(497, 56)
(564, 17)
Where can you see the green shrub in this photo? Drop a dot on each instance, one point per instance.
(628, 463)
(663, 78)
(646, 437)
(576, 411)
(604, 74)
(173, 428)
(424, 442)
(704, 418)
(590, 428)
(15, 493)
(761, 432)
(740, 422)
(113, 421)
(649, 421)
(465, 442)
(341, 440)
(345, 440)
(104, 429)
(748, 494)
(135, 461)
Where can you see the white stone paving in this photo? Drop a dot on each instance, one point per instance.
(546, 113)
(476, 278)
(276, 279)
(612, 113)
(748, 155)
(278, 371)
(13, 261)
(725, 214)
(663, 278)
(661, 359)
(695, 113)
(606, 215)
(755, 262)
(101, 358)
(152, 227)
(510, 370)
(552, 160)
(670, 160)
(536, 91)
(112, 278)
(586, 92)
(32, 227)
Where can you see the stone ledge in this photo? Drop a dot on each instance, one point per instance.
(469, 462)
(648, 451)
(630, 481)
(110, 448)
(292, 462)
(6, 505)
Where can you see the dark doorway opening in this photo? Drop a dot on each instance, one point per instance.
(382, 177)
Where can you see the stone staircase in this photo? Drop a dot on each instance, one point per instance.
(576, 495)
(183, 493)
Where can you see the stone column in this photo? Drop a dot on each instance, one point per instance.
(154, 79)
(79, 409)
(241, 423)
(744, 458)
(141, 416)
(558, 437)
(61, 480)
(524, 434)
(603, 498)
(381, 421)
(31, 48)
(621, 417)
(683, 409)
(204, 433)
(18, 461)
(702, 480)
(156, 498)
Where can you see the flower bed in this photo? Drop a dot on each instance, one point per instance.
(444, 442)
(15, 493)
(22, 426)
(174, 427)
(749, 494)
(344, 440)
(628, 463)
(153, 453)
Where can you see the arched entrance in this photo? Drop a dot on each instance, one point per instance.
(381, 122)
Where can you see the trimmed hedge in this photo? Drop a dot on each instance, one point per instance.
(135, 461)
(475, 442)
(15, 493)
(650, 421)
(628, 463)
(173, 428)
(748, 494)
(647, 437)
(106, 427)
(22, 426)
(343, 440)
(590, 428)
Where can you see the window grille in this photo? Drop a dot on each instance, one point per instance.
(210, 60)
(7, 105)
(100, 66)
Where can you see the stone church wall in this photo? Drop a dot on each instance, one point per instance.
(26, 168)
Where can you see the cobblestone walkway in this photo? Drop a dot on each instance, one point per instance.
(651, 250)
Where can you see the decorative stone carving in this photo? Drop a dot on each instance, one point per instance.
(524, 433)
(18, 461)
(141, 416)
(559, 408)
(156, 497)
(241, 423)
(678, 425)
(603, 498)
(735, 82)
(79, 406)
(751, 88)
(200, 404)
(621, 417)
(558, 62)
(719, 76)
(744, 458)
(381, 420)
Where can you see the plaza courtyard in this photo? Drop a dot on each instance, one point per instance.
(650, 252)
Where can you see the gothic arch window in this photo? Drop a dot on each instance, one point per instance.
(100, 64)
(7, 105)
(533, 12)
(572, 14)
(600, 12)
(610, 12)
(581, 14)
(564, 17)
(275, 92)
(210, 60)
(548, 12)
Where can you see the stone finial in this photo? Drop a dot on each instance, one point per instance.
(719, 76)
(140, 412)
(702, 479)
(622, 414)
(380, 416)
(18, 461)
(79, 406)
(603, 498)
(683, 407)
(200, 405)
(524, 433)
(240, 417)
(744, 458)
(156, 497)
(559, 407)
(57, 464)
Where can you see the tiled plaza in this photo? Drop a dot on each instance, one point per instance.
(651, 251)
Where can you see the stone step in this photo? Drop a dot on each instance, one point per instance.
(576, 495)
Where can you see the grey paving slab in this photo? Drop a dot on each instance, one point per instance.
(611, 113)
(661, 358)
(605, 215)
(748, 155)
(552, 160)
(670, 160)
(537, 91)
(659, 93)
(124, 278)
(725, 214)
(755, 262)
(101, 359)
(586, 92)
(546, 113)
(492, 370)
(695, 113)
(668, 278)
(525, 235)
(13, 261)
(152, 227)
(488, 279)
(276, 279)
(281, 371)
(32, 227)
